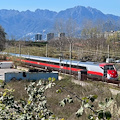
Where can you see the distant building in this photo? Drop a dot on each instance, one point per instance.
(111, 33)
(50, 36)
(38, 37)
(61, 35)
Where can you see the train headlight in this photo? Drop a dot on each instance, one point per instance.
(111, 75)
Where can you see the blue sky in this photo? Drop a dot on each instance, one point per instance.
(106, 6)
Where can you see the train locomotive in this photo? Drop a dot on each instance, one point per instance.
(92, 69)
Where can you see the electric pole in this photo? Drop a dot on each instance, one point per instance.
(46, 50)
(70, 56)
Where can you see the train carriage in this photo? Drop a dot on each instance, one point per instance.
(93, 69)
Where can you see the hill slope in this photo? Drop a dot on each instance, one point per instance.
(27, 23)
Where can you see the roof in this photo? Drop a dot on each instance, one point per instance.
(103, 64)
(63, 61)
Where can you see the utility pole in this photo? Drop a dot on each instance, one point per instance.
(46, 50)
(70, 56)
(60, 59)
(108, 52)
(20, 50)
(60, 64)
(15, 48)
(29, 51)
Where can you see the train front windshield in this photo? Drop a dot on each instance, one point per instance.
(109, 67)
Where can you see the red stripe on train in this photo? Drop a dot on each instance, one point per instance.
(62, 67)
(51, 65)
(95, 73)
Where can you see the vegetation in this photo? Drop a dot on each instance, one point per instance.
(39, 100)
(91, 44)
(87, 52)
(88, 44)
(34, 108)
(2, 38)
(90, 49)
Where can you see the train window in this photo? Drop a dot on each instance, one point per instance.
(27, 59)
(41, 61)
(101, 67)
(55, 63)
(66, 65)
(82, 67)
(109, 67)
(74, 66)
(62, 64)
(51, 63)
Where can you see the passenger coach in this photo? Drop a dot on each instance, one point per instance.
(92, 69)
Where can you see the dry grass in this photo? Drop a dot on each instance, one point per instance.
(36, 51)
(19, 87)
(53, 98)
(68, 112)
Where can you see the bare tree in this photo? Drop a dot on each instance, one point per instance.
(71, 30)
(59, 26)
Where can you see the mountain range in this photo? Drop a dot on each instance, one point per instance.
(27, 23)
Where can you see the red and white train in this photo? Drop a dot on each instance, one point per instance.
(93, 69)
